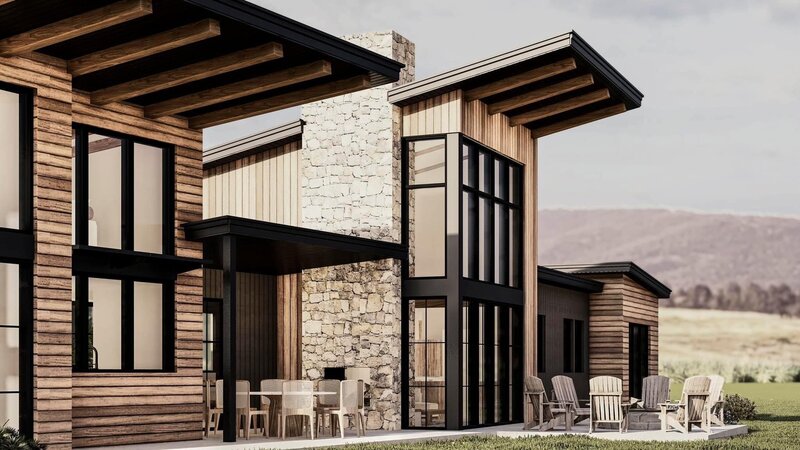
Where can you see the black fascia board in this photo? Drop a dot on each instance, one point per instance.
(130, 265)
(628, 268)
(307, 36)
(632, 96)
(560, 279)
(212, 229)
(16, 246)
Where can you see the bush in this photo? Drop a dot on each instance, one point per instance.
(11, 438)
(739, 408)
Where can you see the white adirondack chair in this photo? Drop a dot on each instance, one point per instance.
(605, 403)
(692, 408)
(567, 397)
(716, 400)
(546, 414)
(655, 390)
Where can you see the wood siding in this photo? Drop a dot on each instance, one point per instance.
(256, 323)
(437, 115)
(97, 409)
(622, 302)
(262, 186)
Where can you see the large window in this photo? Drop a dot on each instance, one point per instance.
(16, 256)
(427, 363)
(426, 199)
(123, 204)
(491, 209)
(574, 341)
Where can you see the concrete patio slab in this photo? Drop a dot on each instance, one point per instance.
(377, 437)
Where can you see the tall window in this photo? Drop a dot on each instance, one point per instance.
(492, 216)
(426, 199)
(541, 343)
(426, 347)
(122, 203)
(16, 297)
(574, 339)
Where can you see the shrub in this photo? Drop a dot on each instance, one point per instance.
(11, 438)
(739, 408)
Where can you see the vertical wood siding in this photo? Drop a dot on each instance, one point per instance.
(263, 186)
(440, 114)
(99, 409)
(622, 302)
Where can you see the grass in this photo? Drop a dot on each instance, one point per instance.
(776, 427)
(734, 344)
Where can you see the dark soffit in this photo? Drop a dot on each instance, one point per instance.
(565, 280)
(628, 268)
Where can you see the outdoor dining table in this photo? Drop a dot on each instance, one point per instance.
(294, 428)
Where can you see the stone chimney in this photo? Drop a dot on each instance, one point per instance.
(350, 177)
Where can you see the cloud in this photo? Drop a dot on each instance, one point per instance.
(782, 10)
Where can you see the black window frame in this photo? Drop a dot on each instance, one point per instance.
(407, 347)
(541, 343)
(90, 269)
(574, 337)
(16, 247)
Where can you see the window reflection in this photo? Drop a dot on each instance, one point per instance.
(427, 363)
(9, 155)
(105, 191)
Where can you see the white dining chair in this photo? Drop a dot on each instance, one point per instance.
(298, 400)
(349, 395)
(327, 402)
(273, 405)
(245, 412)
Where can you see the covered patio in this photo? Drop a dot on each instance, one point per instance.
(234, 245)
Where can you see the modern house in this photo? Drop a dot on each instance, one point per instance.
(393, 229)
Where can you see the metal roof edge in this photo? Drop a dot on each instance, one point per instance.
(263, 140)
(629, 268)
(566, 280)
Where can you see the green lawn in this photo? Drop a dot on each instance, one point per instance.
(777, 427)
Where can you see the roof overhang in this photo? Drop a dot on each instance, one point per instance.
(549, 86)
(565, 280)
(210, 61)
(276, 249)
(628, 268)
(255, 143)
(102, 262)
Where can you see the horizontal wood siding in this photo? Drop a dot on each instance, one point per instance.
(262, 186)
(622, 302)
(170, 403)
(52, 229)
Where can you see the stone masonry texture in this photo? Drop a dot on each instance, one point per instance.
(350, 184)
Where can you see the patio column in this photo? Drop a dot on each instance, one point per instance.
(229, 337)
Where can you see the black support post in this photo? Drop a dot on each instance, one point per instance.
(229, 337)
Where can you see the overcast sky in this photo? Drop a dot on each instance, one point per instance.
(719, 126)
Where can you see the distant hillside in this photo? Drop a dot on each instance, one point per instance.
(682, 249)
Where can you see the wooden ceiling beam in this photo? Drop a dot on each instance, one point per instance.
(239, 89)
(560, 107)
(144, 47)
(5, 2)
(520, 79)
(540, 94)
(193, 72)
(278, 102)
(75, 26)
(579, 120)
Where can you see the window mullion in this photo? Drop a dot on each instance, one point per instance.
(127, 195)
(81, 186)
(127, 325)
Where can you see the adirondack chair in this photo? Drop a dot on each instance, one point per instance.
(547, 414)
(605, 403)
(567, 397)
(716, 401)
(655, 390)
(692, 408)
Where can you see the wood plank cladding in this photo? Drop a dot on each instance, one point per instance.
(193, 72)
(290, 327)
(621, 303)
(144, 47)
(440, 114)
(103, 408)
(262, 186)
(75, 26)
(256, 323)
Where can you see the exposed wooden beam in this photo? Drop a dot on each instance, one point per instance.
(144, 47)
(579, 120)
(277, 102)
(193, 72)
(540, 94)
(239, 89)
(560, 107)
(5, 2)
(520, 79)
(75, 26)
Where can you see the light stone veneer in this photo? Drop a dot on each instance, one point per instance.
(350, 166)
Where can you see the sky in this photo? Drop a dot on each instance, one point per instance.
(719, 126)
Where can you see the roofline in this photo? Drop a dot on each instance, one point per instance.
(254, 143)
(629, 268)
(565, 280)
(410, 92)
(382, 69)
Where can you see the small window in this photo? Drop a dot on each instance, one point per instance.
(579, 346)
(569, 345)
